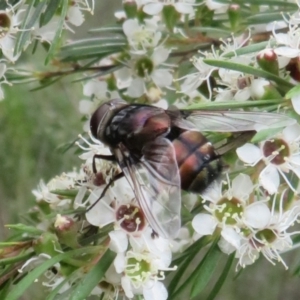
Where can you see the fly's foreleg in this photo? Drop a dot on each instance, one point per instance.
(116, 177)
(105, 157)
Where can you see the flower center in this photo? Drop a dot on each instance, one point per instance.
(229, 210)
(144, 67)
(5, 23)
(263, 237)
(131, 217)
(278, 149)
(137, 270)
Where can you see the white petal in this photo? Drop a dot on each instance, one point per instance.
(184, 8)
(269, 179)
(136, 88)
(118, 241)
(231, 236)
(158, 292)
(226, 247)
(257, 215)
(86, 107)
(1, 94)
(130, 26)
(296, 103)
(249, 153)
(291, 133)
(101, 214)
(160, 55)
(126, 285)
(8, 45)
(204, 224)
(153, 8)
(2, 69)
(97, 88)
(120, 262)
(75, 16)
(242, 186)
(287, 52)
(162, 77)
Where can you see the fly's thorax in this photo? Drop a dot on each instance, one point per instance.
(198, 163)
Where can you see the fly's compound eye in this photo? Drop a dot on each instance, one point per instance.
(102, 115)
(97, 118)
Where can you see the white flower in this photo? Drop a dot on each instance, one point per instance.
(225, 209)
(143, 265)
(235, 81)
(66, 181)
(118, 206)
(74, 13)
(288, 43)
(142, 36)
(268, 233)
(10, 20)
(144, 70)
(280, 154)
(154, 7)
(47, 32)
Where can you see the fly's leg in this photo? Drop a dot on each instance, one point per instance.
(105, 157)
(116, 177)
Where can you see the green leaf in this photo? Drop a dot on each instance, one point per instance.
(92, 46)
(265, 134)
(31, 17)
(93, 277)
(29, 279)
(49, 11)
(212, 31)
(113, 29)
(56, 40)
(294, 92)
(264, 18)
(12, 260)
(205, 269)
(234, 104)
(222, 278)
(282, 83)
(269, 3)
(250, 49)
(25, 228)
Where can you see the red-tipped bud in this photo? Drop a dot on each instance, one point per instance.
(268, 61)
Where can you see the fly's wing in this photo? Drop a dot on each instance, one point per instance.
(155, 181)
(232, 121)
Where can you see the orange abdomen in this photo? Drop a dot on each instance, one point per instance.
(197, 161)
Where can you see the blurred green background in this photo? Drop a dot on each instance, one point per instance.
(33, 126)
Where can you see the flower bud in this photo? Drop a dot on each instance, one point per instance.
(268, 61)
(234, 14)
(66, 231)
(130, 8)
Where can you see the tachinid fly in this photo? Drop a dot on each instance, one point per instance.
(162, 151)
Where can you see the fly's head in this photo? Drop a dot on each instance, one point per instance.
(102, 116)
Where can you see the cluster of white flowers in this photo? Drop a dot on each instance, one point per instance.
(250, 221)
(11, 20)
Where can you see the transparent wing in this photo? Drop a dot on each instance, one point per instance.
(155, 181)
(231, 121)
